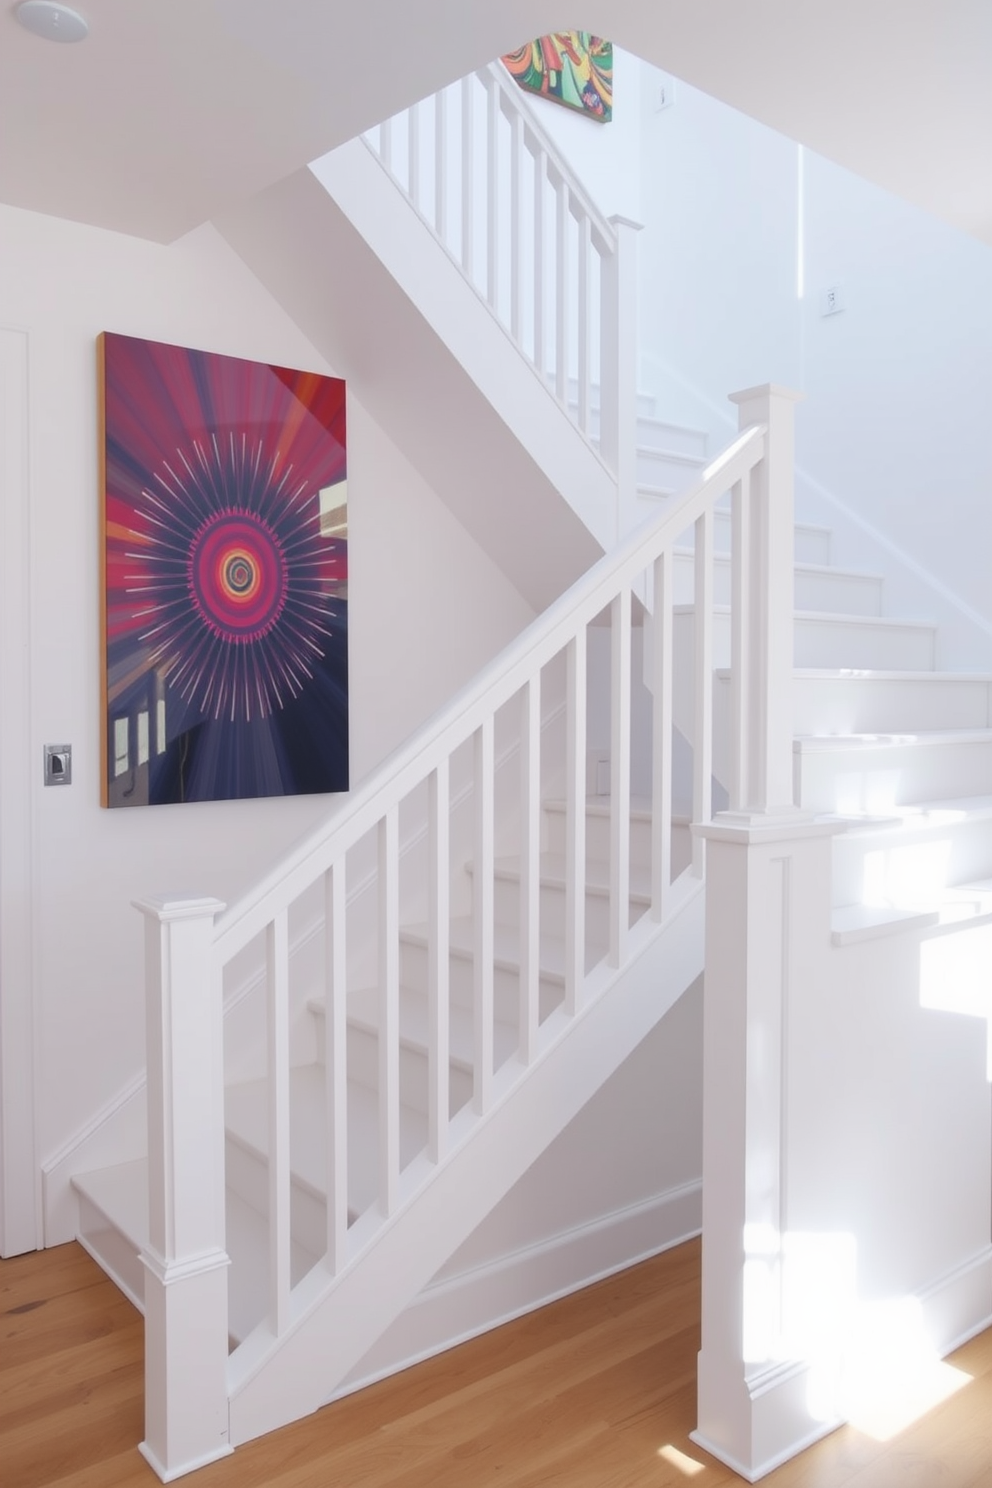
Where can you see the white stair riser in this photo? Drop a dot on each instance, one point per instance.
(248, 1176)
(810, 544)
(655, 433)
(363, 1069)
(598, 835)
(881, 705)
(668, 468)
(836, 592)
(831, 641)
(850, 778)
(598, 839)
(506, 899)
(645, 402)
(910, 873)
(461, 974)
(115, 1253)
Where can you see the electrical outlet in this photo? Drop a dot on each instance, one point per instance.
(831, 302)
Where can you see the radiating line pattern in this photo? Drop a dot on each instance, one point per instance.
(226, 562)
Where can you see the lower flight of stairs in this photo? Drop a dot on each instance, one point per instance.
(897, 752)
(113, 1223)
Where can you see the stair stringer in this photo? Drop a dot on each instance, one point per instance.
(274, 1381)
(375, 292)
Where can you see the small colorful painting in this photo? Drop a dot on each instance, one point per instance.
(572, 67)
(226, 577)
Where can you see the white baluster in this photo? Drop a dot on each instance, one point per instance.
(386, 143)
(562, 292)
(492, 194)
(618, 367)
(740, 641)
(482, 900)
(620, 777)
(516, 224)
(185, 1260)
(413, 154)
(540, 176)
(336, 1063)
(530, 865)
(468, 171)
(440, 165)
(438, 961)
(661, 733)
(277, 1002)
(389, 1011)
(584, 322)
(702, 747)
(575, 822)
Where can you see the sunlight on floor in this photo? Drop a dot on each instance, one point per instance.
(687, 1465)
(893, 1376)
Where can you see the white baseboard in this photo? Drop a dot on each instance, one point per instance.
(770, 1413)
(959, 1304)
(463, 1306)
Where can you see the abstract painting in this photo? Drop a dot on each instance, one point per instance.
(572, 67)
(226, 577)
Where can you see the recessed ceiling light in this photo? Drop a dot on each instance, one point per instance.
(53, 22)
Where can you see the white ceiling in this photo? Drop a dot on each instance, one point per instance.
(171, 112)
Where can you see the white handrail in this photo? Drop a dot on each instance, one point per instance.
(488, 691)
(510, 687)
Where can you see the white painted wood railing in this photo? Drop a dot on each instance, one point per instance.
(511, 212)
(189, 943)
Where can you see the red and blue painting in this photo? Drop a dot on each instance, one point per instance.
(226, 577)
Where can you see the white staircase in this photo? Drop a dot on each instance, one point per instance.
(444, 974)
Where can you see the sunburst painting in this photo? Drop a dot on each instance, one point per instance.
(226, 560)
(570, 67)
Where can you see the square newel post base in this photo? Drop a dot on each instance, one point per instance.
(768, 882)
(186, 1410)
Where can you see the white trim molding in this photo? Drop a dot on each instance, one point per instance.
(461, 1306)
(20, 1228)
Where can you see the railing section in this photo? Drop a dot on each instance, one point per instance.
(455, 949)
(507, 207)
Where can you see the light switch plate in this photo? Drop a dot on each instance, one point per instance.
(58, 764)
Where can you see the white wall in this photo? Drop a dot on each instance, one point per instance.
(606, 157)
(892, 448)
(413, 638)
(621, 1182)
(899, 384)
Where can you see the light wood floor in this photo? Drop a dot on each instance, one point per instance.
(586, 1393)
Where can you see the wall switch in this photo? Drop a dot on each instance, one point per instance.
(664, 95)
(58, 764)
(831, 301)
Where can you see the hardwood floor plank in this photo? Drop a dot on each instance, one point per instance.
(596, 1391)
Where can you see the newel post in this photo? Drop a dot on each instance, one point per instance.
(768, 877)
(185, 1260)
(619, 370)
(771, 619)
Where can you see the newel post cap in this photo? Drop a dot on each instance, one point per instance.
(766, 390)
(165, 907)
(619, 220)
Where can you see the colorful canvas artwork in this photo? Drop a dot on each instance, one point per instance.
(572, 67)
(226, 577)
